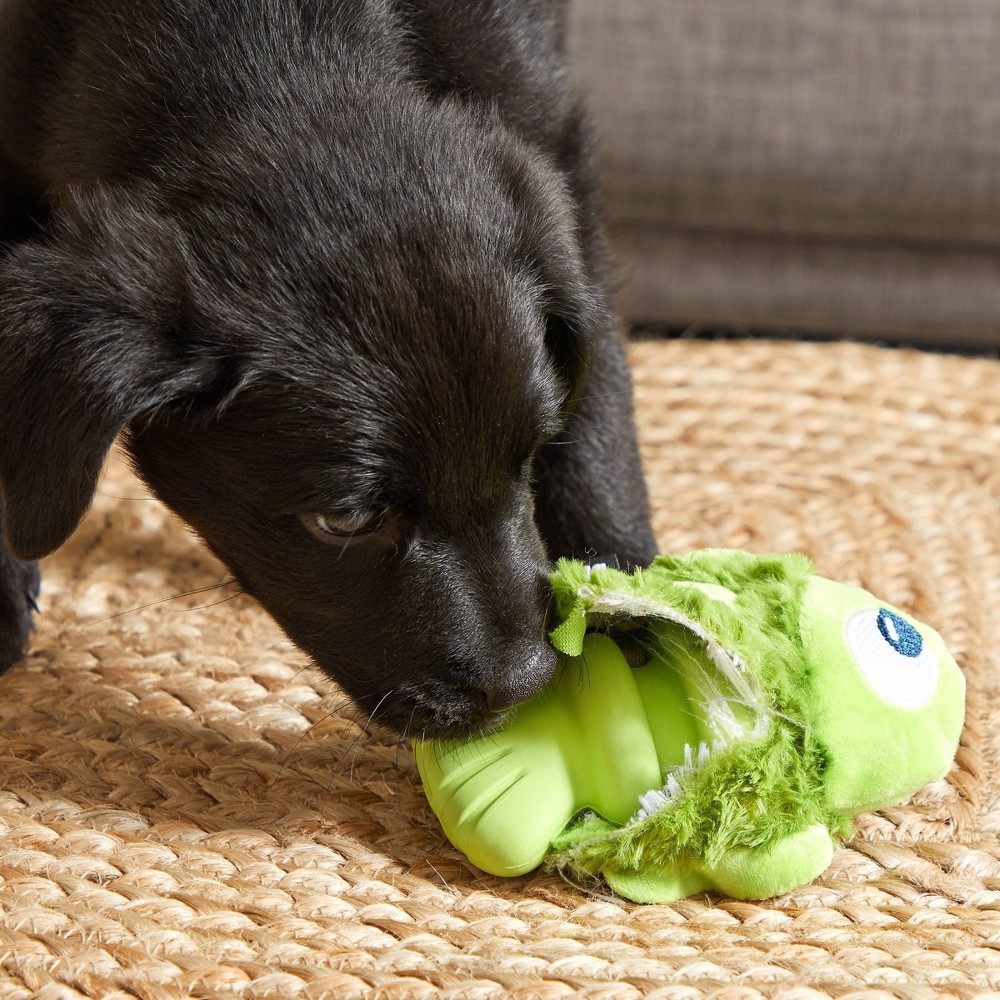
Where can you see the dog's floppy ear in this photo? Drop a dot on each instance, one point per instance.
(575, 309)
(91, 320)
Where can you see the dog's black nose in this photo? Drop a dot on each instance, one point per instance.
(501, 697)
(524, 678)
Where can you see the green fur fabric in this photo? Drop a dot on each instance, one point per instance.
(752, 791)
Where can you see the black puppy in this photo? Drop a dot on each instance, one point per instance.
(334, 267)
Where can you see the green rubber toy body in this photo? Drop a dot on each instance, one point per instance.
(773, 706)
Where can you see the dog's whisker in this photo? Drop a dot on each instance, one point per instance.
(271, 649)
(603, 395)
(115, 496)
(305, 666)
(366, 731)
(162, 600)
(202, 607)
(347, 700)
(340, 759)
(376, 708)
(402, 738)
(354, 757)
(329, 715)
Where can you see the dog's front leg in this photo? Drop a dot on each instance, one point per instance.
(590, 498)
(19, 584)
(19, 580)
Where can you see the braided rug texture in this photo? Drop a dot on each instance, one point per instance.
(187, 809)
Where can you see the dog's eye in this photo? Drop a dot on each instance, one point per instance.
(344, 524)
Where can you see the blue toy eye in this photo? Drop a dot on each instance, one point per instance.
(892, 656)
(900, 634)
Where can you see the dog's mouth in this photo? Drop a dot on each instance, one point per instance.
(467, 695)
(436, 709)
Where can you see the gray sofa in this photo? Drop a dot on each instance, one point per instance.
(824, 166)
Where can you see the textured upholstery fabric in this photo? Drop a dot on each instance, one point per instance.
(930, 295)
(852, 144)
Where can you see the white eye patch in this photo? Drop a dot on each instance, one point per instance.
(892, 656)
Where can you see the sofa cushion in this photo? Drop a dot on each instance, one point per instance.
(855, 123)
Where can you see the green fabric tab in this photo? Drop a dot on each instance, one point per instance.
(568, 637)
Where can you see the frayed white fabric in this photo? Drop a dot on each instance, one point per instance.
(717, 704)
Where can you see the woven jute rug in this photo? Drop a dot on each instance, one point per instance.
(187, 809)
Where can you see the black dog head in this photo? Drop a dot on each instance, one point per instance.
(339, 377)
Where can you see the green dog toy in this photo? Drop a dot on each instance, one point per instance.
(764, 708)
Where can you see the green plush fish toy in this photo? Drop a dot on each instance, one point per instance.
(716, 721)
